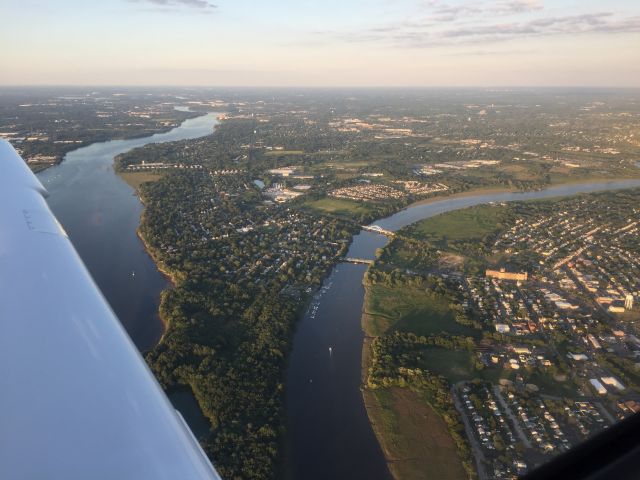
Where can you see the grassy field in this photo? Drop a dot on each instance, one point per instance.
(457, 365)
(409, 309)
(347, 164)
(338, 206)
(403, 255)
(561, 176)
(468, 224)
(135, 179)
(549, 386)
(454, 365)
(277, 153)
(520, 172)
(415, 440)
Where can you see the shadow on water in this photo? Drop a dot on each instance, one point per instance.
(185, 402)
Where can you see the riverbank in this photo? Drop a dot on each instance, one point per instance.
(387, 409)
(466, 193)
(170, 276)
(136, 179)
(101, 215)
(160, 265)
(414, 438)
(500, 190)
(41, 167)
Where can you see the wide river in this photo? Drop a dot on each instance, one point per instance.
(101, 214)
(329, 435)
(328, 432)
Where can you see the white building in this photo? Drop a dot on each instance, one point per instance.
(283, 172)
(594, 341)
(598, 386)
(577, 356)
(628, 302)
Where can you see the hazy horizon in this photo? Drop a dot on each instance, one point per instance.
(487, 88)
(352, 44)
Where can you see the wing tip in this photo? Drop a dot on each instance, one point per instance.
(15, 172)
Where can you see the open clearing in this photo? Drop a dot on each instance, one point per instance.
(338, 206)
(415, 440)
(469, 224)
(409, 309)
(135, 179)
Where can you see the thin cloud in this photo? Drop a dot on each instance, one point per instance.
(431, 32)
(481, 53)
(517, 6)
(202, 5)
(445, 12)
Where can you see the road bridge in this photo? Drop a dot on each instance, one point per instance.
(358, 260)
(377, 229)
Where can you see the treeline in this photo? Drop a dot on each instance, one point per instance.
(397, 358)
(234, 366)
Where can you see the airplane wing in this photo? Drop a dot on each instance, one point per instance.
(77, 400)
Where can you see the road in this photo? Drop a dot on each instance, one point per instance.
(475, 447)
(605, 413)
(512, 417)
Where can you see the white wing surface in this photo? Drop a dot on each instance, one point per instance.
(77, 400)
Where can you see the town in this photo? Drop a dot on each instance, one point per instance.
(553, 317)
(43, 127)
(511, 326)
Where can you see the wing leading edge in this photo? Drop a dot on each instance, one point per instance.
(77, 400)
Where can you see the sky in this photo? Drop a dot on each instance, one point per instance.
(327, 43)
